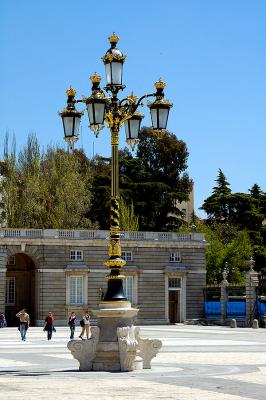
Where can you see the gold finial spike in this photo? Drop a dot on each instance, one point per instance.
(71, 91)
(95, 78)
(160, 84)
(113, 38)
(132, 98)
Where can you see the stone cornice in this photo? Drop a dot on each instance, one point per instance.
(101, 243)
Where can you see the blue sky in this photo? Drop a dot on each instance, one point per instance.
(212, 55)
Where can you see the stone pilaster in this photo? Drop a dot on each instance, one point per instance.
(252, 283)
(3, 260)
(224, 296)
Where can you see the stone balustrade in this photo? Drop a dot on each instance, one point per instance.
(99, 234)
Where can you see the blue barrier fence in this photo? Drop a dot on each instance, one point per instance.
(233, 309)
(261, 307)
(236, 309)
(212, 309)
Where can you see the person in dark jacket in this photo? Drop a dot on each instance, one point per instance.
(72, 324)
(49, 325)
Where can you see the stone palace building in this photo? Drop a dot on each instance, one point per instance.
(62, 271)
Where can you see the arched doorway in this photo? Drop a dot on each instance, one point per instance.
(20, 287)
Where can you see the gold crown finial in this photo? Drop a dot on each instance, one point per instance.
(95, 78)
(113, 38)
(160, 84)
(132, 98)
(71, 91)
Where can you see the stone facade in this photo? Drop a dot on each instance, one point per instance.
(62, 271)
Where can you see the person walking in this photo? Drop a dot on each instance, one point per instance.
(72, 324)
(49, 325)
(85, 323)
(24, 322)
(2, 320)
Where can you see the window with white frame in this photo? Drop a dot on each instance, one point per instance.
(128, 288)
(11, 260)
(76, 255)
(76, 290)
(10, 291)
(127, 255)
(174, 283)
(175, 257)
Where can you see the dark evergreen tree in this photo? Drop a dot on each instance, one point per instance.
(164, 181)
(256, 191)
(217, 205)
(245, 212)
(222, 188)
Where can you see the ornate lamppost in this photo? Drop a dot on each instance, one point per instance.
(103, 108)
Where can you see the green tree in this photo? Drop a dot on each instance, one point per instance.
(256, 191)
(154, 180)
(69, 191)
(99, 212)
(9, 184)
(31, 208)
(222, 188)
(157, 180)
(217, 206)
(128, 219)
(49, 190)
(226, 245)
(245, 212)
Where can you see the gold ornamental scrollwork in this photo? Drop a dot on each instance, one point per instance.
(115, 277)
(114, 263)
(109, 119)
(114, 214)
(114, 248)
(115, 138)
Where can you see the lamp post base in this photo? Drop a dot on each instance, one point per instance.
(115, 344)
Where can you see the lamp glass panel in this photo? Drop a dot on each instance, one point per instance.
(99, 112)
(163, 116)
(126, 124)
(68, 126)
(108, 73)
(90, 113)
(116, 73)
(76, 127)
(134, 128)
(154, 118)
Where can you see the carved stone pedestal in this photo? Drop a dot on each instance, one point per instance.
(84, 350)
(115, 344)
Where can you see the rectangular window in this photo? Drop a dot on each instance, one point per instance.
(128, 288)
(175, 257)
(127, 255)
(11, 260)
(10, 291)
(76, 286)
(174, 283)
(184, 212)
(76, 255)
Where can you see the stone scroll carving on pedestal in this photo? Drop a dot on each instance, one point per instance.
(85, 350)
(127, 347)
(148, 348)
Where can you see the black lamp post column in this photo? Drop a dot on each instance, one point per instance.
(115, 263)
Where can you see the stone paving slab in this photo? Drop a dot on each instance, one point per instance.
(196, 363)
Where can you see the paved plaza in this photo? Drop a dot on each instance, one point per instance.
(195, 363)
